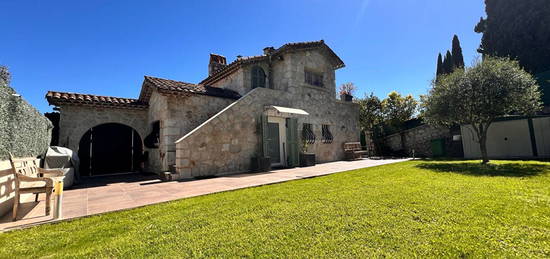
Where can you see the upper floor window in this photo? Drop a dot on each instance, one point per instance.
(313, 78)
(258, 77)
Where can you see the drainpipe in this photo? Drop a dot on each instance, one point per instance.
(270, 72)
(269, 51)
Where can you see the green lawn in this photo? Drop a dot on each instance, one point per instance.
(417, 208)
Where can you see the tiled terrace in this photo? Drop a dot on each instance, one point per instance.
(111, 193)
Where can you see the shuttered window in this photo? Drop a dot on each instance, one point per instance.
(292, 142)
(258, 77)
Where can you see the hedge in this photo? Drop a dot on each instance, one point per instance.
(24, 131)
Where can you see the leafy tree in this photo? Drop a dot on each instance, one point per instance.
(370, 112)
(397, 109)
(476, 96)
(519, 29)
(439, 65)
(458, 58)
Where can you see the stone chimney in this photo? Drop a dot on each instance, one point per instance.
(217, 63)
(269, 50)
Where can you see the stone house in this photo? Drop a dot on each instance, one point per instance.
(254, 107)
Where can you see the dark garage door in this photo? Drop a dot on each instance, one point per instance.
(110, 148)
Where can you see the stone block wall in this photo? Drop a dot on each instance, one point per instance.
(178, 115)
(418, 139)
(185, 113)
(224, 143)
(341, 117)
(236, 81)
(289, 74)
(158, 111)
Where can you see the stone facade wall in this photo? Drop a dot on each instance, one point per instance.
(289, 73)
(341, 117)
(234, 81)
(191, 111)
(418, 139)
(158, 111)
(227, 142)
(76, 120)
(178, 114)
(223, 144)
(240, 81)
(185, 113)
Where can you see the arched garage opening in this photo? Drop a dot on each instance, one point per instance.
(110, 148)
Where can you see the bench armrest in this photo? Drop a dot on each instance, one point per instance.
(50, 172)
(24, 178)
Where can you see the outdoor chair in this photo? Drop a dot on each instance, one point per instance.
(30, 178)
(353, 150)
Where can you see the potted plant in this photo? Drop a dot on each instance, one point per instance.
(306, 159)
(260, 164)
(346, 92)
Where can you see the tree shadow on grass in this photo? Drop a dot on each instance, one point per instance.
(478, 169)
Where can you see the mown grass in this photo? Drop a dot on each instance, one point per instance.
(410, 209)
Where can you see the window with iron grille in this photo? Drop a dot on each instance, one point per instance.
(307, 134)
(327, 135)
(313, 78)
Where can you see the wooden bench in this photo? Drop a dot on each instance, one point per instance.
(30, 178)
(353, 150)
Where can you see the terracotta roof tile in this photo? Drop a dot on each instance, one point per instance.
(171, 86)
(59, 98)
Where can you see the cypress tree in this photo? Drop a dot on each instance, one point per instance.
(519, 29)
(448, 63)
(458, 58)
(439, 64)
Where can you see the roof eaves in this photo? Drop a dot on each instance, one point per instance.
(338, 63)
(67, 98)
(232, 67)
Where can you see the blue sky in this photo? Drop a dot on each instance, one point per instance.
(105, 47)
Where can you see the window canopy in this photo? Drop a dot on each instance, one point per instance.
(284, 111)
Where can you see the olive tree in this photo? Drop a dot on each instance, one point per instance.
(476, 96)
